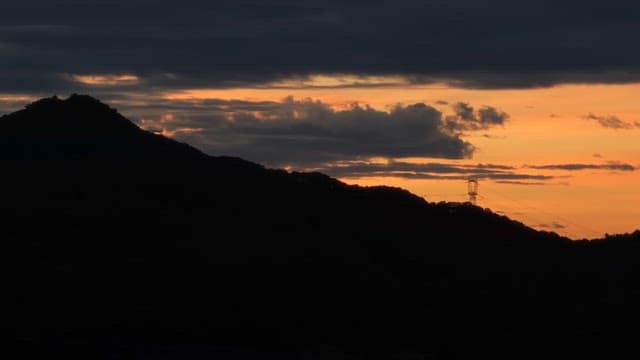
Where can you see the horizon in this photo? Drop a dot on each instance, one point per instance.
(536, 101)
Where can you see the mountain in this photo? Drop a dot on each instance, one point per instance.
(119, 243)
(77, 128)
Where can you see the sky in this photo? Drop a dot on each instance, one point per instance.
(537, 100)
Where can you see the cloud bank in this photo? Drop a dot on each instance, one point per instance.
(46, 44)
(306, 132)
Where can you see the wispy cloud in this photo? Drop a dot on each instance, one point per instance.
(516, 182)
(612, 122)
(554, 225)
(428, 171)
(616, 166)
(106, 80)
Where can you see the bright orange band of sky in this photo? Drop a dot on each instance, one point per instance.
(546, 126)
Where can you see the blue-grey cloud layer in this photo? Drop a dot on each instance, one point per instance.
(469, 43)
(303, 133)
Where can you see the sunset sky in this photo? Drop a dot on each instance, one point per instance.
(538, 100)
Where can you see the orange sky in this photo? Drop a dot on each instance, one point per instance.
(546, 126)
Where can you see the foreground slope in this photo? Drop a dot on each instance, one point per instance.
(116, 240)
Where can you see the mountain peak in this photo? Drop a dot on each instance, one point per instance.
(80, 127)
(73, 100)
(77, 116)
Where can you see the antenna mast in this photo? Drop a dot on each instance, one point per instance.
(472, 190)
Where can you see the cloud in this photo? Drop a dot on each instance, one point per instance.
(616, 166)
(303, 132)
(516, 182)
(464, 43)
(489, 116)
(467, 119)
(446, 171)
(553, 225)
(489, 136)
(611, 122)
(106, 80)
(337, 81)
(464, 112)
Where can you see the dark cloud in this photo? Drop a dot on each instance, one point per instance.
(616, 166)
(442, 102)
(466, 118)
(489, 136)
(611, 122)
(429, 171)
(553, 225)
(596, 155)
(516, 182)
(304, 132)
(464, 112)
(489, 116)
(198, 43)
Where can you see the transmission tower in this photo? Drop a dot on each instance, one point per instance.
(472, 190)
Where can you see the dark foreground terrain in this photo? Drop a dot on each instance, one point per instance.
(120, 244)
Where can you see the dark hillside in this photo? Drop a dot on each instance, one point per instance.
(118, 243)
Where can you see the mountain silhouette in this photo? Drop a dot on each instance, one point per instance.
(120, 243)
(80, 127)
